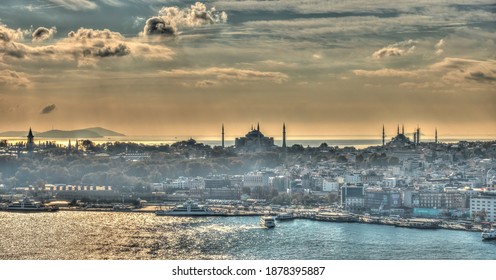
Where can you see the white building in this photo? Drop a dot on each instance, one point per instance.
(410, 199)
(157, 187)
(256, 179)
(484, 203)
(390, 182)
(353, 179)
(330, 185)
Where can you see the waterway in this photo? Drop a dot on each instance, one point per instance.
(144, 236)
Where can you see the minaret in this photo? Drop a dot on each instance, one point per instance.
(258, 126)
(383, 136)
(30, 144)
(284, 135)
(415, 138)
(398, 130)
(402, 129)
(222, 136)
(435, 139)
(418, 135)
(76, 146)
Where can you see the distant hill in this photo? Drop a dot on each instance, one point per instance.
(81, 133)
(94, 132)
(15, 133)
(104, 132)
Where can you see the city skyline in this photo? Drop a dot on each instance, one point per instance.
(176, 68)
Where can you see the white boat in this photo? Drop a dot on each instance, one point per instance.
(188, 209)
(27, 205)
(489, 234)
(267, 221)
(284, 216)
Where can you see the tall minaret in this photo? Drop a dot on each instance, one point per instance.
(222, 136)
(284, 135)
(30, 144)
(402, 129)
(435, 139)
(415, 138)
(258, 126)
(383, 136)
(418, 135)
(398, 130)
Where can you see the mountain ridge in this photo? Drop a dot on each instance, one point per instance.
(92, 132)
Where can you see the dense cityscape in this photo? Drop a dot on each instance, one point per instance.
(402, 177)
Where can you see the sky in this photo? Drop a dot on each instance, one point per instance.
(325, 68)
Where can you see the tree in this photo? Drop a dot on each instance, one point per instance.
(342, 159)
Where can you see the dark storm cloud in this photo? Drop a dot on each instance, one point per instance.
(43, 33)
(48, 109)
(157, 25)
(170, 18)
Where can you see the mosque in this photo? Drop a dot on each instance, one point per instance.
(401, 140)
(255, 141)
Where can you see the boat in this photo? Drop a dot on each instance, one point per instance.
(418, 224)
(26, 205)
(284, 216)
(336, 217)
(188, 209)
(267, 221)
(488, 234)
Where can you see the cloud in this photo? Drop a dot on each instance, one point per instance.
(482, 77)
(43, 33)
(158, 25)
(138, 21)
(13, 79)
(75, 5)
(205, 83)
(396, 49)
(440, 47)
(84, 46)
(460, 70)
(8, 35)
(450, 72)
(385, 73)
(169, 19)
(229, 74)
(48, 109)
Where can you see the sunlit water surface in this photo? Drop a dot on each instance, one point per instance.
(101, 235)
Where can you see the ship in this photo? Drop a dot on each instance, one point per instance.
(418, 223)
(488, 234)
(267, 221)
(188, 209)
(284, 216)
(26, 205)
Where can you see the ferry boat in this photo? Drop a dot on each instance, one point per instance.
(284, 216)
(488, 234)
(267, 221)
(27, 205)
(418, 224)
(188, 209)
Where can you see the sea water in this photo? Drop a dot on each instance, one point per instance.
(144, 236)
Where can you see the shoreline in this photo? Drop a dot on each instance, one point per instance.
(333, 217)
